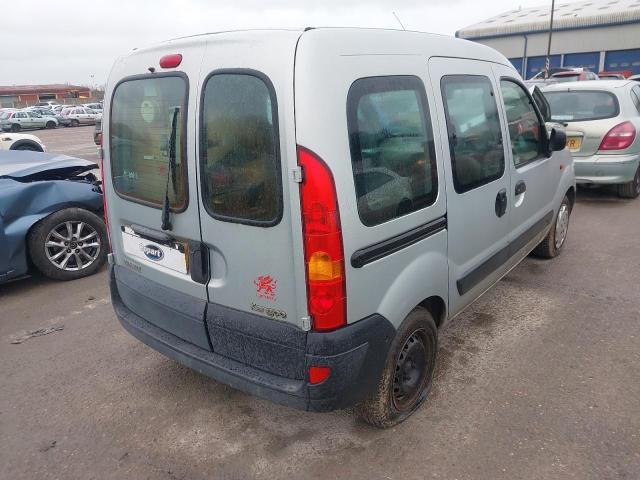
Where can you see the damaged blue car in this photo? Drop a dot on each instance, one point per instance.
(51, 216)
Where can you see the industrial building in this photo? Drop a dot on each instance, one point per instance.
(27, 95)
(597, 34)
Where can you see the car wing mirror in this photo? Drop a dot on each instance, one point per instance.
(557, 140)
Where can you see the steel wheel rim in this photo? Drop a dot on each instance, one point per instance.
(411, 371)
(72, 246)
(562, 225)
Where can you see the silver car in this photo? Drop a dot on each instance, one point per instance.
(602, 120)
(80, 116)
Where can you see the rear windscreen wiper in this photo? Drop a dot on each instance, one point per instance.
(171, 172)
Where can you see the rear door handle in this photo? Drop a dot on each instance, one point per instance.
(501, 203)
(199, 262)
(521, 187)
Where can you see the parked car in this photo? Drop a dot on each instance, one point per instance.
(80, 116)
(97, 132)
(541, 75)
(635, 78)
(615, 75)
(23, 120)
(51, 216)
(97, 107)
(62, 121)
(262, 262)
(575, 75)
(49, 104)
(21, 141)
(602, 120)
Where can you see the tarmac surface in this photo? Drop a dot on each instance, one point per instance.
(539, 379)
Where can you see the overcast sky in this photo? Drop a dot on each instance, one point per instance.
(77, 41)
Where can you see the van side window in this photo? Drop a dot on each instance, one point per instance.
(239, 149)
(475, 135)
(392, 152)
(524, 124)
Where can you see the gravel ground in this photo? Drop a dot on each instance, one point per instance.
(537, 380)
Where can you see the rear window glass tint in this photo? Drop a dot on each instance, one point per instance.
(240, 159)
(142, 115)
(577, 106)
(392, 151)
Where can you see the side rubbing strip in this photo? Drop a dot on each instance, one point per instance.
(366, 255)
(475, 276)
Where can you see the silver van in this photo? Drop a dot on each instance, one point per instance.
(296, 213)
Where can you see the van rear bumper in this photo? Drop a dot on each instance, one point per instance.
(356, 355)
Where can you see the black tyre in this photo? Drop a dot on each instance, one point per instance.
(408, 373)
(552, 244)
(51, 125)
(631, 189)
(75, 123)
(68, 244)
(15, 127)
(30, 147)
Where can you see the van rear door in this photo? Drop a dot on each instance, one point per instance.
(247, 151)
(150, 153)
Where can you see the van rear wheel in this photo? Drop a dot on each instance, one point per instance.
(408, 374)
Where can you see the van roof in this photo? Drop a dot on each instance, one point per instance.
(355, 41)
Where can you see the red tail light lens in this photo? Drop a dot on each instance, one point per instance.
(171, 61)
(318, 374)
(619, 137)
(323, 251)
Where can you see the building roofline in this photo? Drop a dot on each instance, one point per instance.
(543, 30)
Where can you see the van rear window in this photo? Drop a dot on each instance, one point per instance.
(142, 118)
(241, 180)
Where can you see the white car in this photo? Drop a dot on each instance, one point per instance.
(81, 116)
(21, 141)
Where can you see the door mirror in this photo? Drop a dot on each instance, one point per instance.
(557, 140)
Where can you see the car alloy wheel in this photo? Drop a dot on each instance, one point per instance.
(72, 245)
(562, 225)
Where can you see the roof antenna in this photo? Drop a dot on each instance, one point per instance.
(394, 14)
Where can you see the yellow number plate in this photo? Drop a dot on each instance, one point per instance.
(574, 143)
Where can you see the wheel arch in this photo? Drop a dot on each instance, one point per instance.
(437, 307)
(571, 195)
(26, 142)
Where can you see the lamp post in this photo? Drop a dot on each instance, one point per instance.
(547, 63)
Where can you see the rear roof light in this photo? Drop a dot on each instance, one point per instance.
(323, 250)
(619, 137)
(171, 61)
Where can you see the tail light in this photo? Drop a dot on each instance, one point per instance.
(323, 251)
(619, 137)
(104, 193)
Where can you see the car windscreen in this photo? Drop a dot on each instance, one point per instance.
(579, 106)
(4, 115)
(143, 113)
